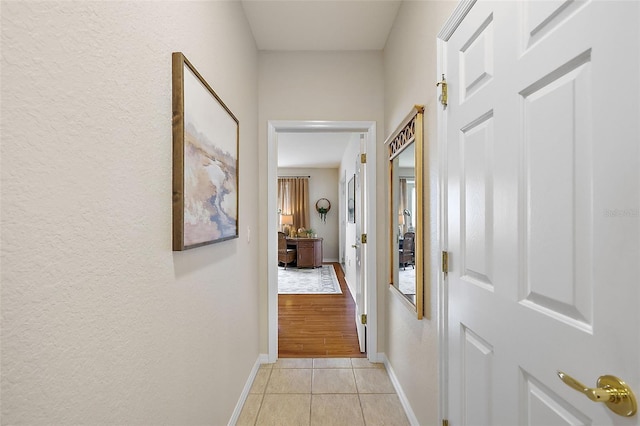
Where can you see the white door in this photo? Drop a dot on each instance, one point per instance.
(360, 216)
(542, 217)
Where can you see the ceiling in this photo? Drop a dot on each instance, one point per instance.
(318, 25)
(312, 149)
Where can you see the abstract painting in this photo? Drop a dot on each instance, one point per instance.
(205, 161)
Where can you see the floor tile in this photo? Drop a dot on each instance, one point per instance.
(336, 410)
(322, 392)
(373, 380)
(333, 380)
(293, 363)
(364, 363)
(250, 410)
(331, 363)
(383, 409)
(289, 381)
(260, 381)
(285, 410)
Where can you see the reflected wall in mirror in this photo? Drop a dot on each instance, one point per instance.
(405, 147)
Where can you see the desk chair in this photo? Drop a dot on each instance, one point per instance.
(285, 255)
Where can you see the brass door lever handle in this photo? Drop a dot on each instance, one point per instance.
(615, 393)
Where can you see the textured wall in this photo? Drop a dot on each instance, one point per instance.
(341, 86)
(101, 321)
(323, 183)
(412, 345)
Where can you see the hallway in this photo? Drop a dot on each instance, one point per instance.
(322, 391)
(318, 325)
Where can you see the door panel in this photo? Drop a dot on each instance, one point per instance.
(477, 364)
(542, 17)
(476, 59)
(477, 200)
(558, 238)
(542, 406)
(542, 209)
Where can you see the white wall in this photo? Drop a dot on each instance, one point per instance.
(323, 183)
(411, 345)
(334, 86)
(101, 321)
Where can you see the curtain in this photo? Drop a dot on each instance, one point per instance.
(293, 198)
(402, 206)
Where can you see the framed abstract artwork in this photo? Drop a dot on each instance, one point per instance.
(205, 161)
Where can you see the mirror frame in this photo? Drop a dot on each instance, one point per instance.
(409, 131)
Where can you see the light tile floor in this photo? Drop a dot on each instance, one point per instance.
(322, 391)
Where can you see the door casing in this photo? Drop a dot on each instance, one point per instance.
(437, 276)
(273, 127)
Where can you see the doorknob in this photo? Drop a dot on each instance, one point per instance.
(615, 393)
(354, 245)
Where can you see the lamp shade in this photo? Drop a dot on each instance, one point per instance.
(286, 219)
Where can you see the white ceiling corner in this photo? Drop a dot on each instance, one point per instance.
(313, 149)
(320, 25)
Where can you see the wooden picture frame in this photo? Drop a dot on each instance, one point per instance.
(205, 161)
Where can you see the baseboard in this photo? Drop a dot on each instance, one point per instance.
(413, 420)
(331, 260)
(262, 359)
(377, 357)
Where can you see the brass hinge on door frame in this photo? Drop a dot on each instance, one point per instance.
(363, 158)
(445, 422)
(363, 238)
(444, 97)
(363, 319)
(445, 262)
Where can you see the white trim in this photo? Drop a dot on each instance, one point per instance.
(441, 294)
(411, 416)
(273, 127)
(379, 357)
(331, 259)
(272, 241)
(444, 35)
(262, 359)
(455, 19)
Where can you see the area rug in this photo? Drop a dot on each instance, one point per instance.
(407, 279)
(321, 280)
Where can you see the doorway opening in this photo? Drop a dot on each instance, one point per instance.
(276, 129)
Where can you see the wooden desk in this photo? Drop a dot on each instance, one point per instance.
(309, 251)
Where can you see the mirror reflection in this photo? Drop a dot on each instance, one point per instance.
(406, 264)
(404, 205)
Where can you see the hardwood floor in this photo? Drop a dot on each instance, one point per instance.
(318, 325)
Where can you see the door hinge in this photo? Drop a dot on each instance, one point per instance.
(363, 158)
(363, 319)
(445, 422)
(445, 262)
(363, 238)
(444, 96)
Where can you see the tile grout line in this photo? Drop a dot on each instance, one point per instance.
(364, 422)
(264, 393)
(317, 366)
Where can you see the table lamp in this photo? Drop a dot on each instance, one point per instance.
(286, 220)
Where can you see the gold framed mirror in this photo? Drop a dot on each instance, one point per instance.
(406, 249)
